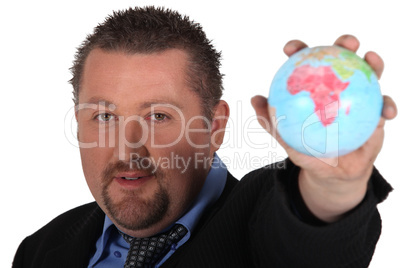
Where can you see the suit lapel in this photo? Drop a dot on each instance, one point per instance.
(79, 242)
(183, 253)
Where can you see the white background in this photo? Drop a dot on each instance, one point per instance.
(41, 172)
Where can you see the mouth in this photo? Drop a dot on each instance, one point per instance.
(133, 181)
(134, 175)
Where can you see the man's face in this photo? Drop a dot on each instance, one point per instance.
(143, 140)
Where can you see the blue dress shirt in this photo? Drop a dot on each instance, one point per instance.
(112, 249)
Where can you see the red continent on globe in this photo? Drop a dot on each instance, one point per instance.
(324, 88)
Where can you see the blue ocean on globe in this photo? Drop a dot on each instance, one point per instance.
(327, 100)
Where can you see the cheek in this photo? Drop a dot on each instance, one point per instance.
(91, 134)
(95, 150)
(165, 137)
(184, 183)
(198, 134)
(191, 132)
(186, 166)
(94, 161)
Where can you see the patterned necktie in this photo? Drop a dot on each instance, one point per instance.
(146, 252)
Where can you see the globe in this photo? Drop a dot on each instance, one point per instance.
(327, 101)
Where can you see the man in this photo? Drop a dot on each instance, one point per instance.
(147, 91)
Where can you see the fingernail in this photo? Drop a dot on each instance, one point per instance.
(389, 110)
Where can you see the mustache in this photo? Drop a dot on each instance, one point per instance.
(122, 166)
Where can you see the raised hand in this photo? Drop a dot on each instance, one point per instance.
(332, 186)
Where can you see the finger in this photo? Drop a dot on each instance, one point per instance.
(348, 41)
(375, 61)
(373, 145)
(293, 46)
(260, 105)
(389, 109)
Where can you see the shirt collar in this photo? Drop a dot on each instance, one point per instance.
(102, 241)
(209, 194)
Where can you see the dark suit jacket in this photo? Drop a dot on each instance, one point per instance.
(253, 224)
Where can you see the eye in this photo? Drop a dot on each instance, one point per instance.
(105, 117)
(158, 117)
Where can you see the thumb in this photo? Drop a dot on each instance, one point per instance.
(266, 116)
(260, 105)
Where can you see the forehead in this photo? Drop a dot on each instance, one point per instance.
(118, 74)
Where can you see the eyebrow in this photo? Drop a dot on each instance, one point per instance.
(145, 105)
(149, 104)
(98, 100)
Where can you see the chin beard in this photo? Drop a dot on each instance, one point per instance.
(131, 211)
(134, 213)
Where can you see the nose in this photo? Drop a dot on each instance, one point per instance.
(132, 137)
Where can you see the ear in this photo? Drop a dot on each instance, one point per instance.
(76, 119)
(218, 126)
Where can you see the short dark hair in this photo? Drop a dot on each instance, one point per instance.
(151, 30)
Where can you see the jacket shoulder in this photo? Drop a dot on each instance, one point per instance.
(66, 230)
(67, 219)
